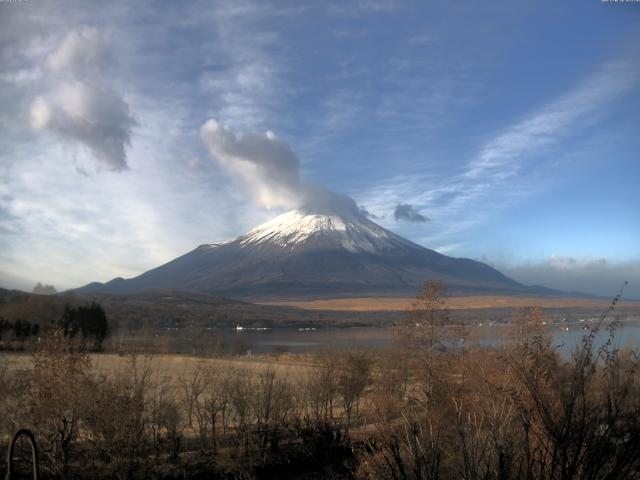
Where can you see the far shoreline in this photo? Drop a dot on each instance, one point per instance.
(398, 304)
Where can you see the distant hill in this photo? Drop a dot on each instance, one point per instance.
(169, 309)
(178, 309)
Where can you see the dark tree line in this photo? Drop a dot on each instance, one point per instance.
(89, 321)
(28, 320)
(19, 329)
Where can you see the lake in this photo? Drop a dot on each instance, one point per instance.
(278, 340)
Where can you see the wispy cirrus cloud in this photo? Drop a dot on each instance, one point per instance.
(516, 162)
(361, 7)
(503, 156)
(247, 83)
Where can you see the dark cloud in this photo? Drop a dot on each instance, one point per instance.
(408, 213)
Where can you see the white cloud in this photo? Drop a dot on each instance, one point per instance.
(264, 162)
(23, 76)
(270, 170)
(85, 52)
(79, 106)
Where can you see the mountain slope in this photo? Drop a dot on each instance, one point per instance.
(304, 253)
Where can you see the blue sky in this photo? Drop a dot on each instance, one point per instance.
(512, 126)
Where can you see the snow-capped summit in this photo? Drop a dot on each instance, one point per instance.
(299, 228)
(332, 250)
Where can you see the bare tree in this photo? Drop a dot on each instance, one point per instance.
(273, 404)
(55, 390)
(424, 334)
(191, 383)
(320, 388)
(240, 398)
(165, 418)
(354, 377)
(118, 416)
(216, 399)
(579, 417)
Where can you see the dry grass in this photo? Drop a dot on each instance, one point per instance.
(453, 303)
(168, 366)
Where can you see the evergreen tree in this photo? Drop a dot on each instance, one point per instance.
(90, 321)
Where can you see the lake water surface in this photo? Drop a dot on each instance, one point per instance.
(293, 340)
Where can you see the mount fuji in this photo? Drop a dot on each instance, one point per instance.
(309, 253)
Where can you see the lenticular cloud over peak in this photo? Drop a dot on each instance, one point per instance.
(270, 170)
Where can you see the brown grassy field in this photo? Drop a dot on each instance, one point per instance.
(454, 303)
(172, 366)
